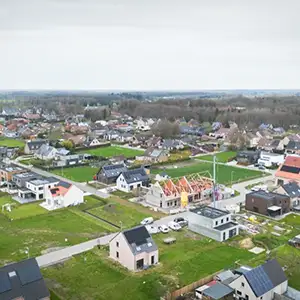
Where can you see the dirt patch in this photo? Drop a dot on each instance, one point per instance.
(246, 243)
(110, 208)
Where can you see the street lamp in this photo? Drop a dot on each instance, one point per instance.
(231, 177)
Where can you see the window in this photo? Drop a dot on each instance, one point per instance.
(246, 297)
(117, 243)
(260, 297)
(224, 236)
(239, 293)
(243, 284)
(222, 221)
(227, 219)
(152, 259)
(117, 254)
(217, 223)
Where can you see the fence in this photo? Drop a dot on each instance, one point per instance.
(191, 287)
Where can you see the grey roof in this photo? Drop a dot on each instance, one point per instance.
(293, 145)
(225, 275)
(226, 226)
(44, 180)
(268, 196)
(170, 143)
(111, 171)
(218, 291)
(292, 189)
(35, 144)
(135, 175)
(209, 212)
(264, 278)
(64, 184)
(45, 150)
(242, 270)
(22, 279)
(139, 240)
(26, 175)
(63, 151)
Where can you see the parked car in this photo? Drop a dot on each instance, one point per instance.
(261, 167)
(174, 226)
(163, 228)
(152, 229)
(181, 221)
(147, 221)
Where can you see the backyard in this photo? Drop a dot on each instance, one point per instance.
(111, 151)
(224, 174)
(11, 142)
(45, 231)
(79, 174)
(189, 259)
(221, 157)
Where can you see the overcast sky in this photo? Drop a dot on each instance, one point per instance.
(149, 44)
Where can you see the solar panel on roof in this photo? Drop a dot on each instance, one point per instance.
(290, 169)
(4, 283)
(64, 184)
(29, 273)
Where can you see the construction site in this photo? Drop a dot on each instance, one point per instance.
(179, 192)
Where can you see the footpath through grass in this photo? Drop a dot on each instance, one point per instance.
(111, 151)
(224, 173)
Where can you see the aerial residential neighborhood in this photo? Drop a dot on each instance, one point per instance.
(149, 150)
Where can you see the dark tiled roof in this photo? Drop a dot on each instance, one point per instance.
(113, 170)
(34, 144)
(218, 291)
(137, 235)
(64, 184)
(264, 278)
(135, 175)
(22, 279)
(292, 189)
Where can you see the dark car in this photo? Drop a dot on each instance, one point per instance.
(181, 221)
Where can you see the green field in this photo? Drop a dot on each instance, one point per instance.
(111, 151)
(189, 259)
(222, 157)
(79, 174)
(91, 201)
(44, 231)
(224, 173)
(11, 142)
(119, 214)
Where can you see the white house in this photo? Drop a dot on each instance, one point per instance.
(260, 283)
(134, 249)
(132, 179)
(62, 195)
(269, 159)
(46, 152)
(213, 223)
(92, 143)
(144, 125)
(35, 189)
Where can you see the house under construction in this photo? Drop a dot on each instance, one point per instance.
(171, 193)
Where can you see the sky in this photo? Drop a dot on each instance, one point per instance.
(149, 44)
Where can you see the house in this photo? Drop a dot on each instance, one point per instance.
(162, 176)
(215, 290)
(184, 129)
(7, 172)
(279, 130)
(221, 133)
(134, 249)
(269, 159)
(154, 155)
(125, 137)
(216, 126)
(247, 157)
(252, 139)
(268, 203)
(292, 190)
(32, 147)
(23, 280)
(62, 152)
(92, 143)
(68, 160)
(292, 137)
(77, 140)
(62, 195)
(172, 145)
(213, 223)
(10, 111)
(35, 189)
(288, 171)
(264, 126)
(111, 135)
(7, 152)
(168, 193)
(108, 174)
(293, 147)
(45, 152)
(19, 180)
(261, 283)
(143, 124)
(132, 179)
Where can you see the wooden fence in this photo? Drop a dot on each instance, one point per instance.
(191, 287)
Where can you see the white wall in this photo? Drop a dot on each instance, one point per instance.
(126, 258)
(74, 196)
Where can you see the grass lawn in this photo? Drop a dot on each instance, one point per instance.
(111, 151)
(222, 157)
(79, 174)
(123, 195)
(184, 262)
(91, 201)
(44, 231)
(11, 142)
(223, 175)
(292, 219)
(116, 213)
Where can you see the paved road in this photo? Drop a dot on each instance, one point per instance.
(84, 187)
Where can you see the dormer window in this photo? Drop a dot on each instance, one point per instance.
(138, 248)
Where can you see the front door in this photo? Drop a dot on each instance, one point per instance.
(140, 264)
(152, 260)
